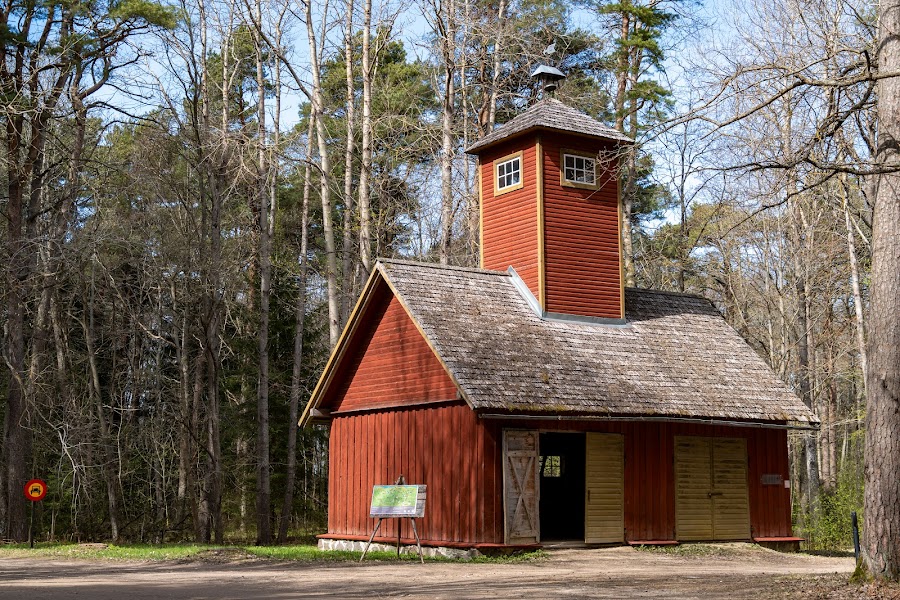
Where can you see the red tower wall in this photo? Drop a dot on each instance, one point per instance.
(509, 221)
(581, 234)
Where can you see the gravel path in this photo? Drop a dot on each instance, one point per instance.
(732, 571)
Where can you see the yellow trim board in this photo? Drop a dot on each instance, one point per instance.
(480, 215)
(621, 258)
(542, 262)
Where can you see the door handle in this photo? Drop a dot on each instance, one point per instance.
(711, 494)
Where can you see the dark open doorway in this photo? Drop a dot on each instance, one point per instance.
(562, 486)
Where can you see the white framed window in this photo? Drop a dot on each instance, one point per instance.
(578, 170)
(508, 173)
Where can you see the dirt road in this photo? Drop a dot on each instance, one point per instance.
(737, 571)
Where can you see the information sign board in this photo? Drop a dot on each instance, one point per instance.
(398, 501)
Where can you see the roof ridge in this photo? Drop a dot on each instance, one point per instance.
(433, 265)
(668, 293)
(551, 114)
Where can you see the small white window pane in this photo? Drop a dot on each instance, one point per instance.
(578, 169)
(508, 173)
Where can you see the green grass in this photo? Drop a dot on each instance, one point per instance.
(693, 549)
(102, 551)
(312, 553)
(169, 552)
(513, 558)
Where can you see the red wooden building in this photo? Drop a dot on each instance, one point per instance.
(539, 399)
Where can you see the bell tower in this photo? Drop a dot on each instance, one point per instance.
(550, 209)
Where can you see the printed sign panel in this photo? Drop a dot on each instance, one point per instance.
(398, 501)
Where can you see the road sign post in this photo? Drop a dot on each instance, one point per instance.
(35, 490)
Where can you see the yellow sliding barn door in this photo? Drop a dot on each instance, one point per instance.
(604, 501)
(731, 502)
(711, 495)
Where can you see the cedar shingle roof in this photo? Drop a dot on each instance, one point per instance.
(549, 114)
(676, 358)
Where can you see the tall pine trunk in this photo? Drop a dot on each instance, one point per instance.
(263, 485)
(881, 534)
(365, 171)
(318, 102)
(448, 111)
(348, 262)
(299, 325)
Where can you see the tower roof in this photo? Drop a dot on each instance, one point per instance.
(552, 114)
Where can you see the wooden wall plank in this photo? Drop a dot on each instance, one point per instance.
(510, 220)
(458, 457)
(392, 364)
(581, 236)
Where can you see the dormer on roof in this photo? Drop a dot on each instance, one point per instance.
(550, 209)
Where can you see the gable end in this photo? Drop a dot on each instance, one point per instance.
(382, 360)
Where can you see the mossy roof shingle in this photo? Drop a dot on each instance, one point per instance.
(675, 358)
(549, 114)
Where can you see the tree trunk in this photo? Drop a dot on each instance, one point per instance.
(348, 269)
(334, 330)
(448, 104)
(627, 174)
(803, 376)
(854, 282)
(106, 452)
(299, 323)
(365, 172)
(881, 534)
(263, 486)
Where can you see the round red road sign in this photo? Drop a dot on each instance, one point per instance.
(35, 490)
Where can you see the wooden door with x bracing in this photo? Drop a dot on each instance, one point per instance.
(520, 487)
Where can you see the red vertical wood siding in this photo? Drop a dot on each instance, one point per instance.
(581, 238)
(391, 364)
(649, 473)
(509, 225)
(444, 447)
(458, 457)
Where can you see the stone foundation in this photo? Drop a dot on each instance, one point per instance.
(427, 551)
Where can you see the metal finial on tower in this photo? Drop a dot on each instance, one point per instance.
(549, 76)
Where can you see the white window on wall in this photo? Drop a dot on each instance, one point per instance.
(508, 172)
(579, 170)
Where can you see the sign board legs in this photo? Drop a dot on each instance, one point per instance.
(371, 537)
(399, 522)
(418, 543)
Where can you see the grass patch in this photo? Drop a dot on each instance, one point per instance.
(515, 557)
(104, 551)
(310, 553)
(170, 552)
(690, 550)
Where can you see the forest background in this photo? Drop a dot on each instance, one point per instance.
(194, 191)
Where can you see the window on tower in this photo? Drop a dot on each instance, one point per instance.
(508, 173)
(578, 170)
